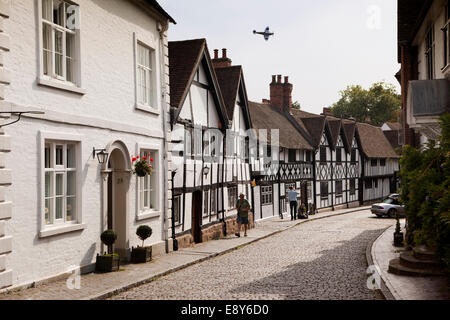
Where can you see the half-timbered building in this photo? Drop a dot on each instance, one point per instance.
(237, 177)
(379, 164)
(211, 158)
(335, 159)
(287, 161)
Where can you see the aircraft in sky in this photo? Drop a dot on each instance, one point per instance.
(266, 33)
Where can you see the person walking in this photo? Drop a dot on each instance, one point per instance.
(243, 208)
(292, 195)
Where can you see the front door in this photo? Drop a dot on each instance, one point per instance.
(304, 193)
(197, 216)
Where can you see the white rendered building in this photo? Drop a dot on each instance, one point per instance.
(98, 70)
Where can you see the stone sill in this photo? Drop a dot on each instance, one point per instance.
(147, 109)
(49, 232)
(148, 215)
(60, 85)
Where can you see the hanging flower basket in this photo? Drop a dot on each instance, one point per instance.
(142, 166)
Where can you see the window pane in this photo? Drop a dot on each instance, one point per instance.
(59, 190)
(47, 10)
(58, 13)
(59, 155)
(59, 208)
(146, 199)
(70, 53)
(47, 48)
(47, 157)
(71, 209)
(48, 184)
(70, 45)
(176, 209)
(71, 163)
(58, 53)
(71, 183)
(143, 56)
(48, 211)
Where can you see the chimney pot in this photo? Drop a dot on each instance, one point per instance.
(279, 78)
(216, 54)
(286, 79)
(224, 53)
(274, 79)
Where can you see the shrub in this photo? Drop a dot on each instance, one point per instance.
(108, 238)
(425, 176)
(144, 232)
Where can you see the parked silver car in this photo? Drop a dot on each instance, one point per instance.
(389, 207)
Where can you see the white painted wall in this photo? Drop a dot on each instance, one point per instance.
(435, 17)
(105, 113)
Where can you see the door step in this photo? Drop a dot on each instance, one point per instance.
(396, 267)
(420, 262)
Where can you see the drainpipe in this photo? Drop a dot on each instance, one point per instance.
(224, 227)
(162, 28)
(174, 239)
(313, 155)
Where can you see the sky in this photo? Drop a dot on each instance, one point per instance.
(322, 45)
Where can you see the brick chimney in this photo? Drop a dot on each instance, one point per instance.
(327, 112)
(281, 93)
(221, 62)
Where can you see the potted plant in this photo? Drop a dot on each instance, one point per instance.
(398, 235)
(142, 254)
(108, 262)
(142, 166)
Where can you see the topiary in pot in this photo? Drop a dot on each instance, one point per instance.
(108, 238)
(398, 234)
(108, 262)
(142, 254)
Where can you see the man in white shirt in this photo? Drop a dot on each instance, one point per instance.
(292, 195)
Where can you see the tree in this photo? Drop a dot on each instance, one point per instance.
(425, 175)
(378, 105)
(296, 105)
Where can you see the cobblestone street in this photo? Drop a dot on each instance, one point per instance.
(323, 259)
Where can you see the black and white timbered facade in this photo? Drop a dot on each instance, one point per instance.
(199, 124)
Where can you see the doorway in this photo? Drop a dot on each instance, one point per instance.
(197, 216)
(116, 184)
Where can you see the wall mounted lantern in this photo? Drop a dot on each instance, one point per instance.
(102, 155)
(206, 170)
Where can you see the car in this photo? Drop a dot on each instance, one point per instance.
(389, 207)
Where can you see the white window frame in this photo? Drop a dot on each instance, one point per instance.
(430, 57)
(232, 197)
(206, 203)
(266, 195)
(178, 205)
(149, 213)
(154, 103)
(53, 80)
(61, 226)
(446, 34)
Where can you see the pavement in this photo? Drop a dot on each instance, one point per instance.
(95, 286)
(396, 287)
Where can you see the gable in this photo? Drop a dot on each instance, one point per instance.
(324, 140)
(340, 142)
(195, 92)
